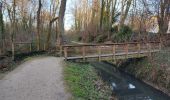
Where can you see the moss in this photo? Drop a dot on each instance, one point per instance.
(81, 80)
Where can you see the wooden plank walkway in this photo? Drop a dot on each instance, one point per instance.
(112, 51)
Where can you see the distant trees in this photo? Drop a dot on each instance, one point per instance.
(112, 14)
(42, 21)
(38, 21)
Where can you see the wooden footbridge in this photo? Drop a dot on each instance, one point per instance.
(112, 51)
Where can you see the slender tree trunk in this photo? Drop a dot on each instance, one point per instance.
(124, 12)
(164, 16)
(61, 21)
(101, 15)
(56, 33)
(49, 32)
(1, 31)
(13, 29)
(38, 25)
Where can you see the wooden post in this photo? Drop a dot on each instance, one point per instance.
(99, 52)
(149, 48)
(0, 52)
(114, 52)
(44, 47)
(126, 49)
(61, 50)
(30, 47)
(65, 53)
(13, 51)
(84, 53)
(139, 49)
(160, 46)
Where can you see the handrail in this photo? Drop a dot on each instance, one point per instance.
(106, 44)
(98, 47)
(22, 42)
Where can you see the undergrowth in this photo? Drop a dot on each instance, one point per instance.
(82, 82)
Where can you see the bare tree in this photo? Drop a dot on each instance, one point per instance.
(13, 28)
(38, 24)
(163, 15)
(61, 20)
(1, 30)
(101, 15)
(53, 9)
(125, 6)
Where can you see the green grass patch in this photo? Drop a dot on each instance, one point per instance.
(82, 81)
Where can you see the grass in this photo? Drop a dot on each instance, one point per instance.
(156, 68)
(82, 80)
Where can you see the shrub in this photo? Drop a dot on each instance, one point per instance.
(114, 29)
(91, 38)
(101, 38)
(124, 34)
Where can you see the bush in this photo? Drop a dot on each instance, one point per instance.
(101, 38)
(91, 38)
(114, 29)
(124, 34)
(79, 38)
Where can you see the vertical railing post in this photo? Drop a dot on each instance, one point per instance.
(13, 51)
(114, 52)
(126, 49)
(99, 52)
(0, 51)
(30, 47)
(149, 48)
(160, 46)
(60, 52)
(65, 53)
(83, 52)
(139, 48)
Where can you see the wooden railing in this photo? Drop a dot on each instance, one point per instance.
(18, 44)
(84, 51)
(24, 43)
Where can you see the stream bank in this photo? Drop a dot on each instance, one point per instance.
(84, 83)
(126, 86)
(147, 70)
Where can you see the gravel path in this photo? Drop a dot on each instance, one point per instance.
(37, 79)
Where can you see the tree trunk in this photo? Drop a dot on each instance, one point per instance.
(1, 31)
(56, 31)
(124, 12)
(101, 15)
(61, 21)
(49, 32)
(38, 25)
(163, 16)
(13, 29)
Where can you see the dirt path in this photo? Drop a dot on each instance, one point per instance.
(38, 79)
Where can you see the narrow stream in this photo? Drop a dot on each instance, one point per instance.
(126, 87)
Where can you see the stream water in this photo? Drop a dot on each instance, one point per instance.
(126, 87)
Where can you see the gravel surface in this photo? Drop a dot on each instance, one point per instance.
(37, 79)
